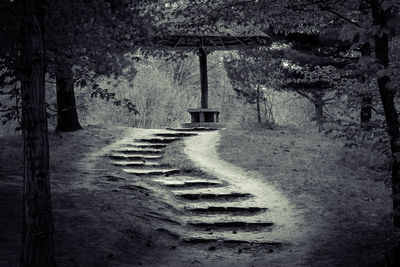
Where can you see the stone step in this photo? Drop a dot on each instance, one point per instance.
(159, 140)
(185, 178)
(146, 145)
(146, 172)
(193, 129)
(227, 217)
(136, 164)
(248, 201)
(235, 237)
(225, 209)
(270, 245)
(213, 196)
(132, 150)
(134, 157)
(190, 184)
(226, 225)
(182, 134)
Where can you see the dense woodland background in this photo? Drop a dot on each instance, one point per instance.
(333, 65)
(163, 90)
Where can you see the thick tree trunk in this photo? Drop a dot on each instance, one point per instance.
(67, 115)
(380, 17)
(258, 104)
(37, 240)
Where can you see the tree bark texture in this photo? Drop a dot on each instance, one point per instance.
(380, 17)
(37, 240)
(67, 115)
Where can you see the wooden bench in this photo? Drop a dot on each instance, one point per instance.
(200, 115)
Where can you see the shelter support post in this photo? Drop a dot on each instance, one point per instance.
(203, 78)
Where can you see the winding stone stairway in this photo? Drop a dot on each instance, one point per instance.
(213, 211)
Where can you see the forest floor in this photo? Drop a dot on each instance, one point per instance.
(102, 217)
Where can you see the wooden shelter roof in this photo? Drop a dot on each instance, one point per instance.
(211, 41)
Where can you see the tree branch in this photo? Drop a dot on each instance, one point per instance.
(339, 15)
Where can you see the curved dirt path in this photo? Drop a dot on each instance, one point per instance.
(224, 217)
(289, 227)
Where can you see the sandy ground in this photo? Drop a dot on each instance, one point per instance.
(104, 217)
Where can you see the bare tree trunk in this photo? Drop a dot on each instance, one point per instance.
(37, 235)
(319, 109)
(380, 17)
(258, 104)
(67, 115)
